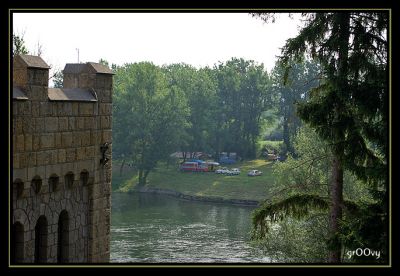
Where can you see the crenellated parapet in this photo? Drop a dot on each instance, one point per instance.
(61, 189)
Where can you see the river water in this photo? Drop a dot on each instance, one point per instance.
(148, 228)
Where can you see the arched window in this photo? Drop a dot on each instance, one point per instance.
(84, 178)
(69, 180)
(18, 188)
(41, 240)
(54, 183)
(17, 237)
(37, 184)
(63, 238)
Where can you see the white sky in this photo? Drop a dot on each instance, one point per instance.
(199, 39)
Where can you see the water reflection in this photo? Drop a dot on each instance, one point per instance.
(156, 228)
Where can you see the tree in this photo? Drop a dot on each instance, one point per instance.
(19, 47)
(300, 198)
(148, 116)
(58, 79)
(349, 109)
(243, 97)
(302, 77)
(200, 91)
(39, 49)
(226, 105)
(104, 62)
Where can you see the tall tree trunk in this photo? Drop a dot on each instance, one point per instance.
(122, 167)
(143, 177)
(336, 190)
(140, 178)
(336, 195)
(216, 148)
(253, 147)
(286, 138)
(146, 173)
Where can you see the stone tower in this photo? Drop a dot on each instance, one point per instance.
(61, 163)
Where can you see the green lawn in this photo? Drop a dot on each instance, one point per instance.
(206, 184)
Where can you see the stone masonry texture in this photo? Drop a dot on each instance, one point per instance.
(61, 191)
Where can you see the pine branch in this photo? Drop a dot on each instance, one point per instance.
(312, 160)
(297, 185)
(297, 206)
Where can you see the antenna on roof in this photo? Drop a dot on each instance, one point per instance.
(77, 49)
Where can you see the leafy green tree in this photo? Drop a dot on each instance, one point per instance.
(58, 79)
(243, 91)
(104, 62)
(226, 105)
(302, 77)
(200, 91)
(349, 110)
(19, 47)
(149, 118)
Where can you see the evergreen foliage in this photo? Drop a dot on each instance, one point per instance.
(349, 110)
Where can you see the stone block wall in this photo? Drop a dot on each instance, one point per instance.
(56, 167)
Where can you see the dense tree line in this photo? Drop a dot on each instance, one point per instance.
(160, 110)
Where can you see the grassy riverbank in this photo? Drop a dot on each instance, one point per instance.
(203, 184)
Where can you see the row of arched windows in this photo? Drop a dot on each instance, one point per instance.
(41, 238)
(54, 182)
(41, 227)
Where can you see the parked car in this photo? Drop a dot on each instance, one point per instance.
(254, 173)
(223, 170)
(234, 171)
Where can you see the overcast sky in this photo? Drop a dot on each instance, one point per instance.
(199, 39)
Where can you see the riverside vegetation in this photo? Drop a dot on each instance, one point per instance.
(207, 184)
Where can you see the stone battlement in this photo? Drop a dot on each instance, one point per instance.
(61, 163)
